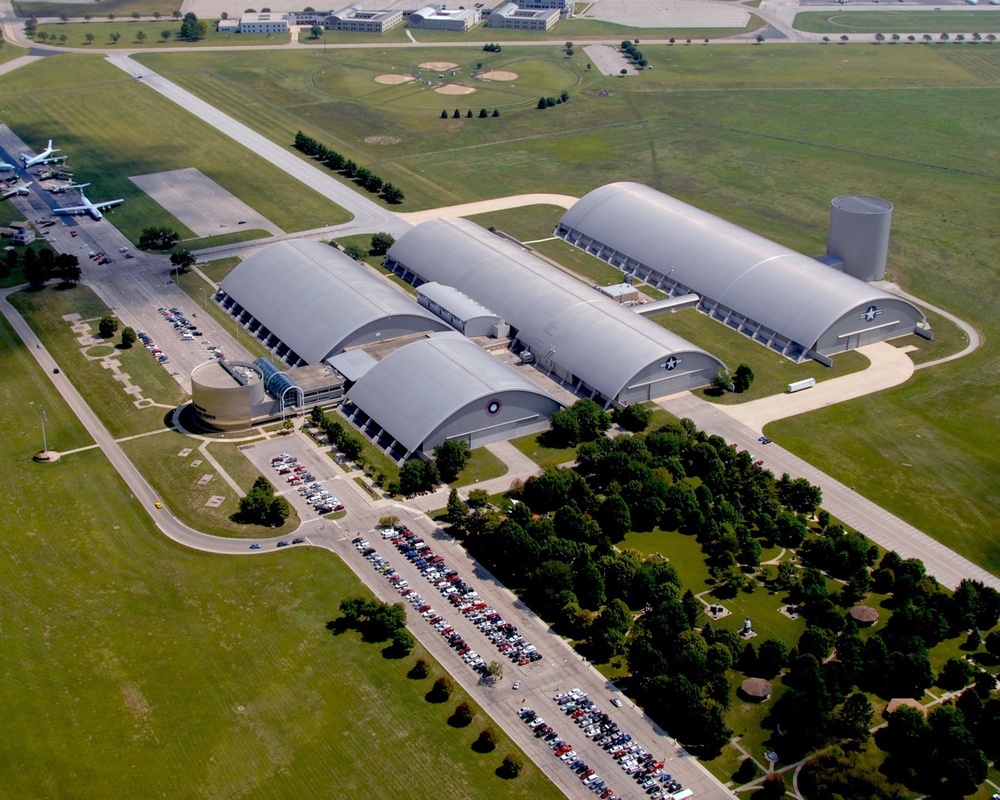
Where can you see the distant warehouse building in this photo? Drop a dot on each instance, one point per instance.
(460, 311)
(512, 15)
(263, 22)
(789, 302)
(436, 17)
(306, 301)
(445, 387)
(567, 8)
(584, 338)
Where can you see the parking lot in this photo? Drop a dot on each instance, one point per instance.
(313, 462)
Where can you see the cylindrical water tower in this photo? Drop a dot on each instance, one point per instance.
(859, 234)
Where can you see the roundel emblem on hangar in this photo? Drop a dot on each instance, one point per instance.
(494, 406)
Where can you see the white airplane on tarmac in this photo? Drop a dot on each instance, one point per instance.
(86, 206)
(17, 190)
(5, 167)
(41, 158)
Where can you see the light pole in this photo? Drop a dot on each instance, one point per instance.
(204, 295)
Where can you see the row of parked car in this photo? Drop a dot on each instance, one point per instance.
(464, 598)
(151, 348)
(566, 754)
(633, 759)
(175, 317)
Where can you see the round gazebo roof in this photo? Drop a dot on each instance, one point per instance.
(864, 614)
(756, 688)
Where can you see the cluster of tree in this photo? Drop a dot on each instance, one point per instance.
(549, 102)
(158, 238)
(947, 753)
(192, 28)
(492, 47)
(738, 382)
(569, 50)
(362, 176)
(451, 458)
(483, 113)
(345, 441)
(262, 507)
(583, 421)
(41, 266)
(633, 54)
(634, 418)
(416, 475)
(377, 621)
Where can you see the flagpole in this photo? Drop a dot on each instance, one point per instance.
(45, 444)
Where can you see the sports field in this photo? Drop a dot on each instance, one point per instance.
(135, 668)
(903, 21)
(112, 127)
(765, 137)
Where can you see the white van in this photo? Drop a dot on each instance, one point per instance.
(186, 337)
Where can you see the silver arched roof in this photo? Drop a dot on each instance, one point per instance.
(414, 390)
(318, 300)
(585, 332)
(786, 291)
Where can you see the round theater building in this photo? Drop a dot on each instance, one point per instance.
(225, 394)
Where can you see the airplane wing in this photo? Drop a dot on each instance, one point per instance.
(108, 204)
(72, 210)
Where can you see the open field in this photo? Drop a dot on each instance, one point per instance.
(221, 665)
(72, 98)
(121, 8)
(8, 52)
(44, 311)
(888, 22)
(545, 457)
(219, 268)
(688, 128)
(482, 466)
(177, 481)
(126, 27)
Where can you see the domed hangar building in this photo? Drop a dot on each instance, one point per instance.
(584, 338)
(794, 304)
(307, 301)
(445, 387)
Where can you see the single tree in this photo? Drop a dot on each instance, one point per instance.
(457, 114)
(760, 38)
(381, 242)
(403, 641)
(451, 458)
(487, 741)
(183, 260)
(879, 38)
(444, 114)
(128, 338)
(140, 37)
(107, 326)
(315, 32)
(495, 670)
(743, 378)
(442, 689)
(845, 38)
(115, 37)
(512, 765)
(165, 35)
(496, 111)
(421, 669)
(89, 37)
(722, 382)
(624, 71)
(483, 113)
(463, 715)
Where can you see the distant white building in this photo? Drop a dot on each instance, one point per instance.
(511, 15)
(437, 17)
(567, 8)
(355, 18)
(228, 26)
(263, 22)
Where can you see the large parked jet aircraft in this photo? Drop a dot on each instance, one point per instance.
(17, 190)
(5, 167)
(41, 158)
(86, 206)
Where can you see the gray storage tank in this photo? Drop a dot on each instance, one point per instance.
(859, 235)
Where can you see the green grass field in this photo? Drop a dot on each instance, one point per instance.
(191, 675)
(74, 98)
(482, 466)
(888, 22)
(126, 28)
(121, 8)
(44, 311)
(545, 457)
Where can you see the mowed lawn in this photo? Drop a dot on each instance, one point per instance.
(44, 311)
(904, 21)
(127, 28)
(112, 127)
(136, 668)
(758, 135)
